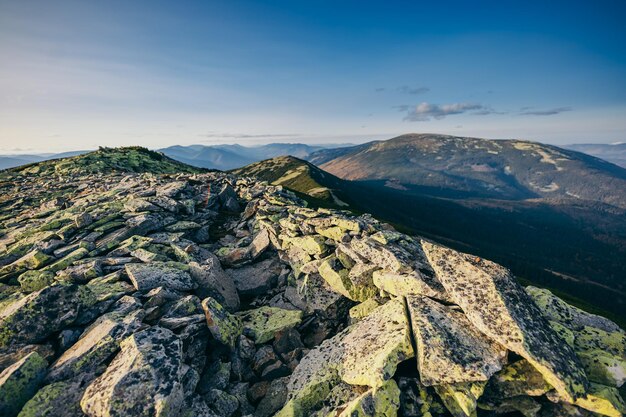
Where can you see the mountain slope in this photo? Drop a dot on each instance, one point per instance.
(297, 175)
(469, 167)
(615, 153)
(104, 160)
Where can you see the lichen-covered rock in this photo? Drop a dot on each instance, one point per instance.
(449, 349)
(314, 377)
(60, 399)
(382, 401)
(362, 309)
(99, 342)
(355, 284)
(517, 379)
(224, 327)
(313, 245)
(572, 317)
(410, 283)
(156, 274)
(262, 324)
(498, 307)
(144, 379)
(376, 345)
(461, 399)
(38, 315)
(599, 399)
(19, 382)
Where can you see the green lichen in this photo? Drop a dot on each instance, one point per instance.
(262, 324)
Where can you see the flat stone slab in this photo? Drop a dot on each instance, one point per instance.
(376, 345)
(502, 310)
(159, 274)
(449, 348)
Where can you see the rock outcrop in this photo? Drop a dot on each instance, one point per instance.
(169, 292)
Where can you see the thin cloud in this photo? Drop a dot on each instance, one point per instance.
(427, 111)
(413, 90)
(549, 112)
(380, 89)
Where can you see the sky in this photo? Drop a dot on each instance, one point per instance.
(82, 74)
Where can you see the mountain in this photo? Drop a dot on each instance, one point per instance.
(569, 245)
(614, 152)
(226, 157)
(479, 168)
(297, 175)
(152, 289)
(104, 160)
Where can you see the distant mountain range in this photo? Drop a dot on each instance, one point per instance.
(614, 152)
(221, 157)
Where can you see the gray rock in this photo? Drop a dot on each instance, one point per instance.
(145, 378)
(256, 279)
(214, 282)
(157, 274)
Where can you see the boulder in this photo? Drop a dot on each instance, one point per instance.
(262, 324)
(224, 327)
(461, 399)
(376, 345)
(19, 382)
(60, 399)
(449, 349)
(98, 343)
(380, 401)
(500, 308)
(144, 378)
(256, 279)
(214, 282)
(36, 316)
(160, 274)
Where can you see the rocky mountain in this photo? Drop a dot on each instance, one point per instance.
(131, 285)
(459, 167)
(226, 157)
(613, 152)
(570, 247)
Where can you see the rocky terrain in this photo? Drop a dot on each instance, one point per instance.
(131, 285)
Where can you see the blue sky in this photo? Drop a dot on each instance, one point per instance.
(80, 74)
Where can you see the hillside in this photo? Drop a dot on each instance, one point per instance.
(297, 175)
(156, 293)
(104, 160)
(614, 152)
(565, 245)
(468, 168)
